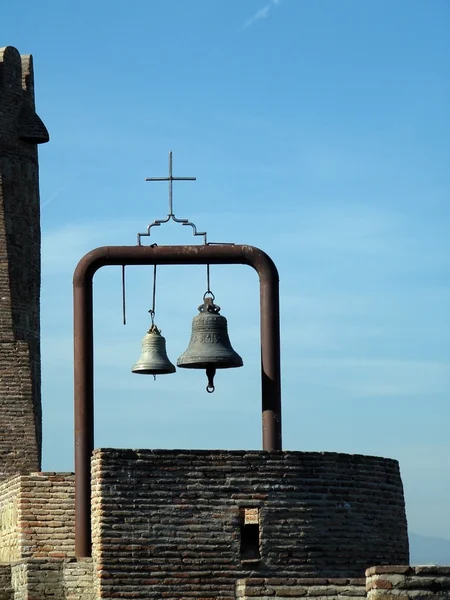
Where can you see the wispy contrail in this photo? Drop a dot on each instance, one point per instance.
(262, 13)
(54, 195)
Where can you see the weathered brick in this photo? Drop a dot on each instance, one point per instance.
(20, 377)
(157, 514)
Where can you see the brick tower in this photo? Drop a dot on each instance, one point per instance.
(20, 269)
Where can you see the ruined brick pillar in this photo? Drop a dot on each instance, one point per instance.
(20, 269)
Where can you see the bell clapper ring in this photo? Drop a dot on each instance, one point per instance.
(210, 372)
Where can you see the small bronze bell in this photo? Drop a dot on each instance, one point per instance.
(209, 347)
(153, 359)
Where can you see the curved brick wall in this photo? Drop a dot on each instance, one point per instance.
(172, 519)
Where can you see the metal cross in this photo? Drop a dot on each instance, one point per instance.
(171, 215)
(170, 179)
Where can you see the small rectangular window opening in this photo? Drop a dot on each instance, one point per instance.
(250, 534)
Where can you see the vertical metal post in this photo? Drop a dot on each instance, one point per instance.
(84, 350)
(270, 365)
(84, 414)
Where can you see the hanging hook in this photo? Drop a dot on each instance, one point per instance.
(152, 310)
(208, 286)
(154, 290)
(209, 295)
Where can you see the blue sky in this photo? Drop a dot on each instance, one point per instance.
(318, 131)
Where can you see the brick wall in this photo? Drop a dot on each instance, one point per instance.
(20, 401)
(276, 588)
(37, 516)
(172, 521)
(10, 534)
(19, 580)
(6, 592)
(48, 515)
(41, 579)
(404, 583)
(78, 579)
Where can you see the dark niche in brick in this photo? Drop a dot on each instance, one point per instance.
(250, 547)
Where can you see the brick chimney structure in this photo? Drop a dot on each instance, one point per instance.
(20, 267)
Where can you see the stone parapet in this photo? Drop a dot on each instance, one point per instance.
(402, 582)
(276, 588)
(189, 523)
(44, 578)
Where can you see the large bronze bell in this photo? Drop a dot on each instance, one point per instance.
(209, 347)
(153, 359)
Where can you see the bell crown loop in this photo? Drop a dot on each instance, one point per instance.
(208, 305)
(154, 330)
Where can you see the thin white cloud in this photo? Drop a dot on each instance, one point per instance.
(53, 196)
(260, 14)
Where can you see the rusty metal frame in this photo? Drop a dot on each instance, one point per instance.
(84, 350)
